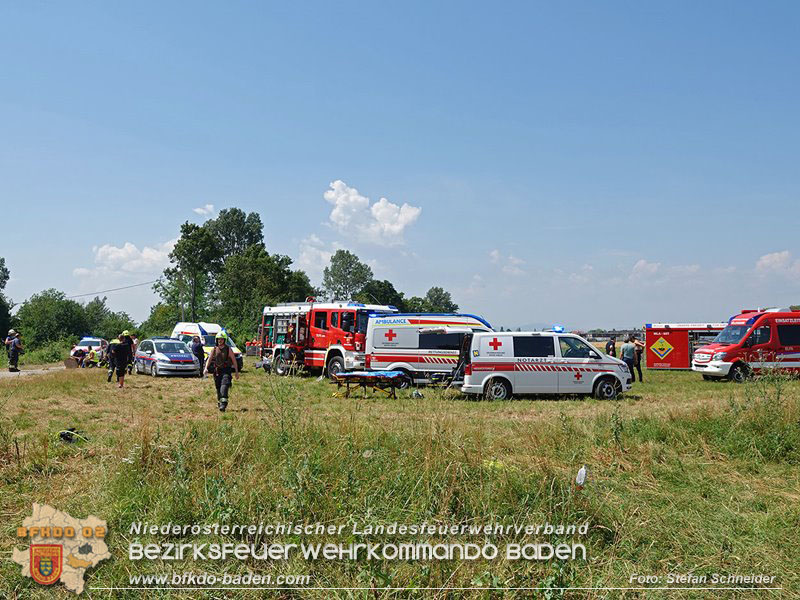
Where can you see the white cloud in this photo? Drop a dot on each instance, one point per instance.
(127, 259)
(512, 269)
(511, 265)
(314, 256)
(684, 270)
(583, 276)
(642, 268)
(206, 210)
(382, 222)
(778, 262)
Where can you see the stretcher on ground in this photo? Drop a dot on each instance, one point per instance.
(386, 382)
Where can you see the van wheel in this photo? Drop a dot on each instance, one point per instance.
(405, 380)
(335, 366)
(497, 389)
(606, 389)
(154, 369)
(737, 374)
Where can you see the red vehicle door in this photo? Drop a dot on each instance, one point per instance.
(760, 346)
(319, 329)
(347, 323)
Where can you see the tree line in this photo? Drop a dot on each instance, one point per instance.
(219, 272)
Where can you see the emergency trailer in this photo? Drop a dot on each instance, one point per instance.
(671, 345)
(499, 365)
(317, 335)
(753, 340)
(419, 344)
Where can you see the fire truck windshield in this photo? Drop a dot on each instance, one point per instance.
(732, 334)
(362, 317)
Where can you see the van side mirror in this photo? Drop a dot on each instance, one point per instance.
(593, 354)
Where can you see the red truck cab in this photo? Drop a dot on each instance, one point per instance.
(753, 341)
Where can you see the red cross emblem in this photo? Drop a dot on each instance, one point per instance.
(390, 335)
(495, 344)
(578, 375)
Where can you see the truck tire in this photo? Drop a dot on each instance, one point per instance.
(497, 389)
(281, 366)
(606, 389)
(335, 366)
(738, 373)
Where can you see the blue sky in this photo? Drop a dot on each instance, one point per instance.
(592, 164)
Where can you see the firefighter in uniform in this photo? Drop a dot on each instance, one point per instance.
(111, 353)
(221, 362)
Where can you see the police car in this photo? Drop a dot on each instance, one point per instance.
(499, 365)
(165, 356)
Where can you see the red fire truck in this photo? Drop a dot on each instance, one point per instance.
(671, 345)
(327, 336)
(754, 340)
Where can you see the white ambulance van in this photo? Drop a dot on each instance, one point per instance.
(206, 332)
(500, 365)
(420, 344)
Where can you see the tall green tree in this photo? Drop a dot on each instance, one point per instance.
(96, 312)
(381, 292)
(4, 274)
(5, 304)
(195, 254)
(439, 300)
(175, 291)
(345, 276)
(234, 231)
(436, 300)
(161, 321)
(50, 317)
(415, 304)
(253, 279)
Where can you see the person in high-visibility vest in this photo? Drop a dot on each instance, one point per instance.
(91, 358)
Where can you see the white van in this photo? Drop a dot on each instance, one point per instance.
(207, 332)
(420, 344)
(502, 364)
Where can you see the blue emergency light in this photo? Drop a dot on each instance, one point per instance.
(558, 328)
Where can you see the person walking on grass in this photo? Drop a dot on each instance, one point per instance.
(111, 355)
(221, 361)
(128, 339)
(628, 355)
(14, 350)
(11, 334)
(122, 356)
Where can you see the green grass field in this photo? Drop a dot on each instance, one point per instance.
(685, 476)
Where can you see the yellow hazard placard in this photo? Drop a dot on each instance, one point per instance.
(661, 348)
